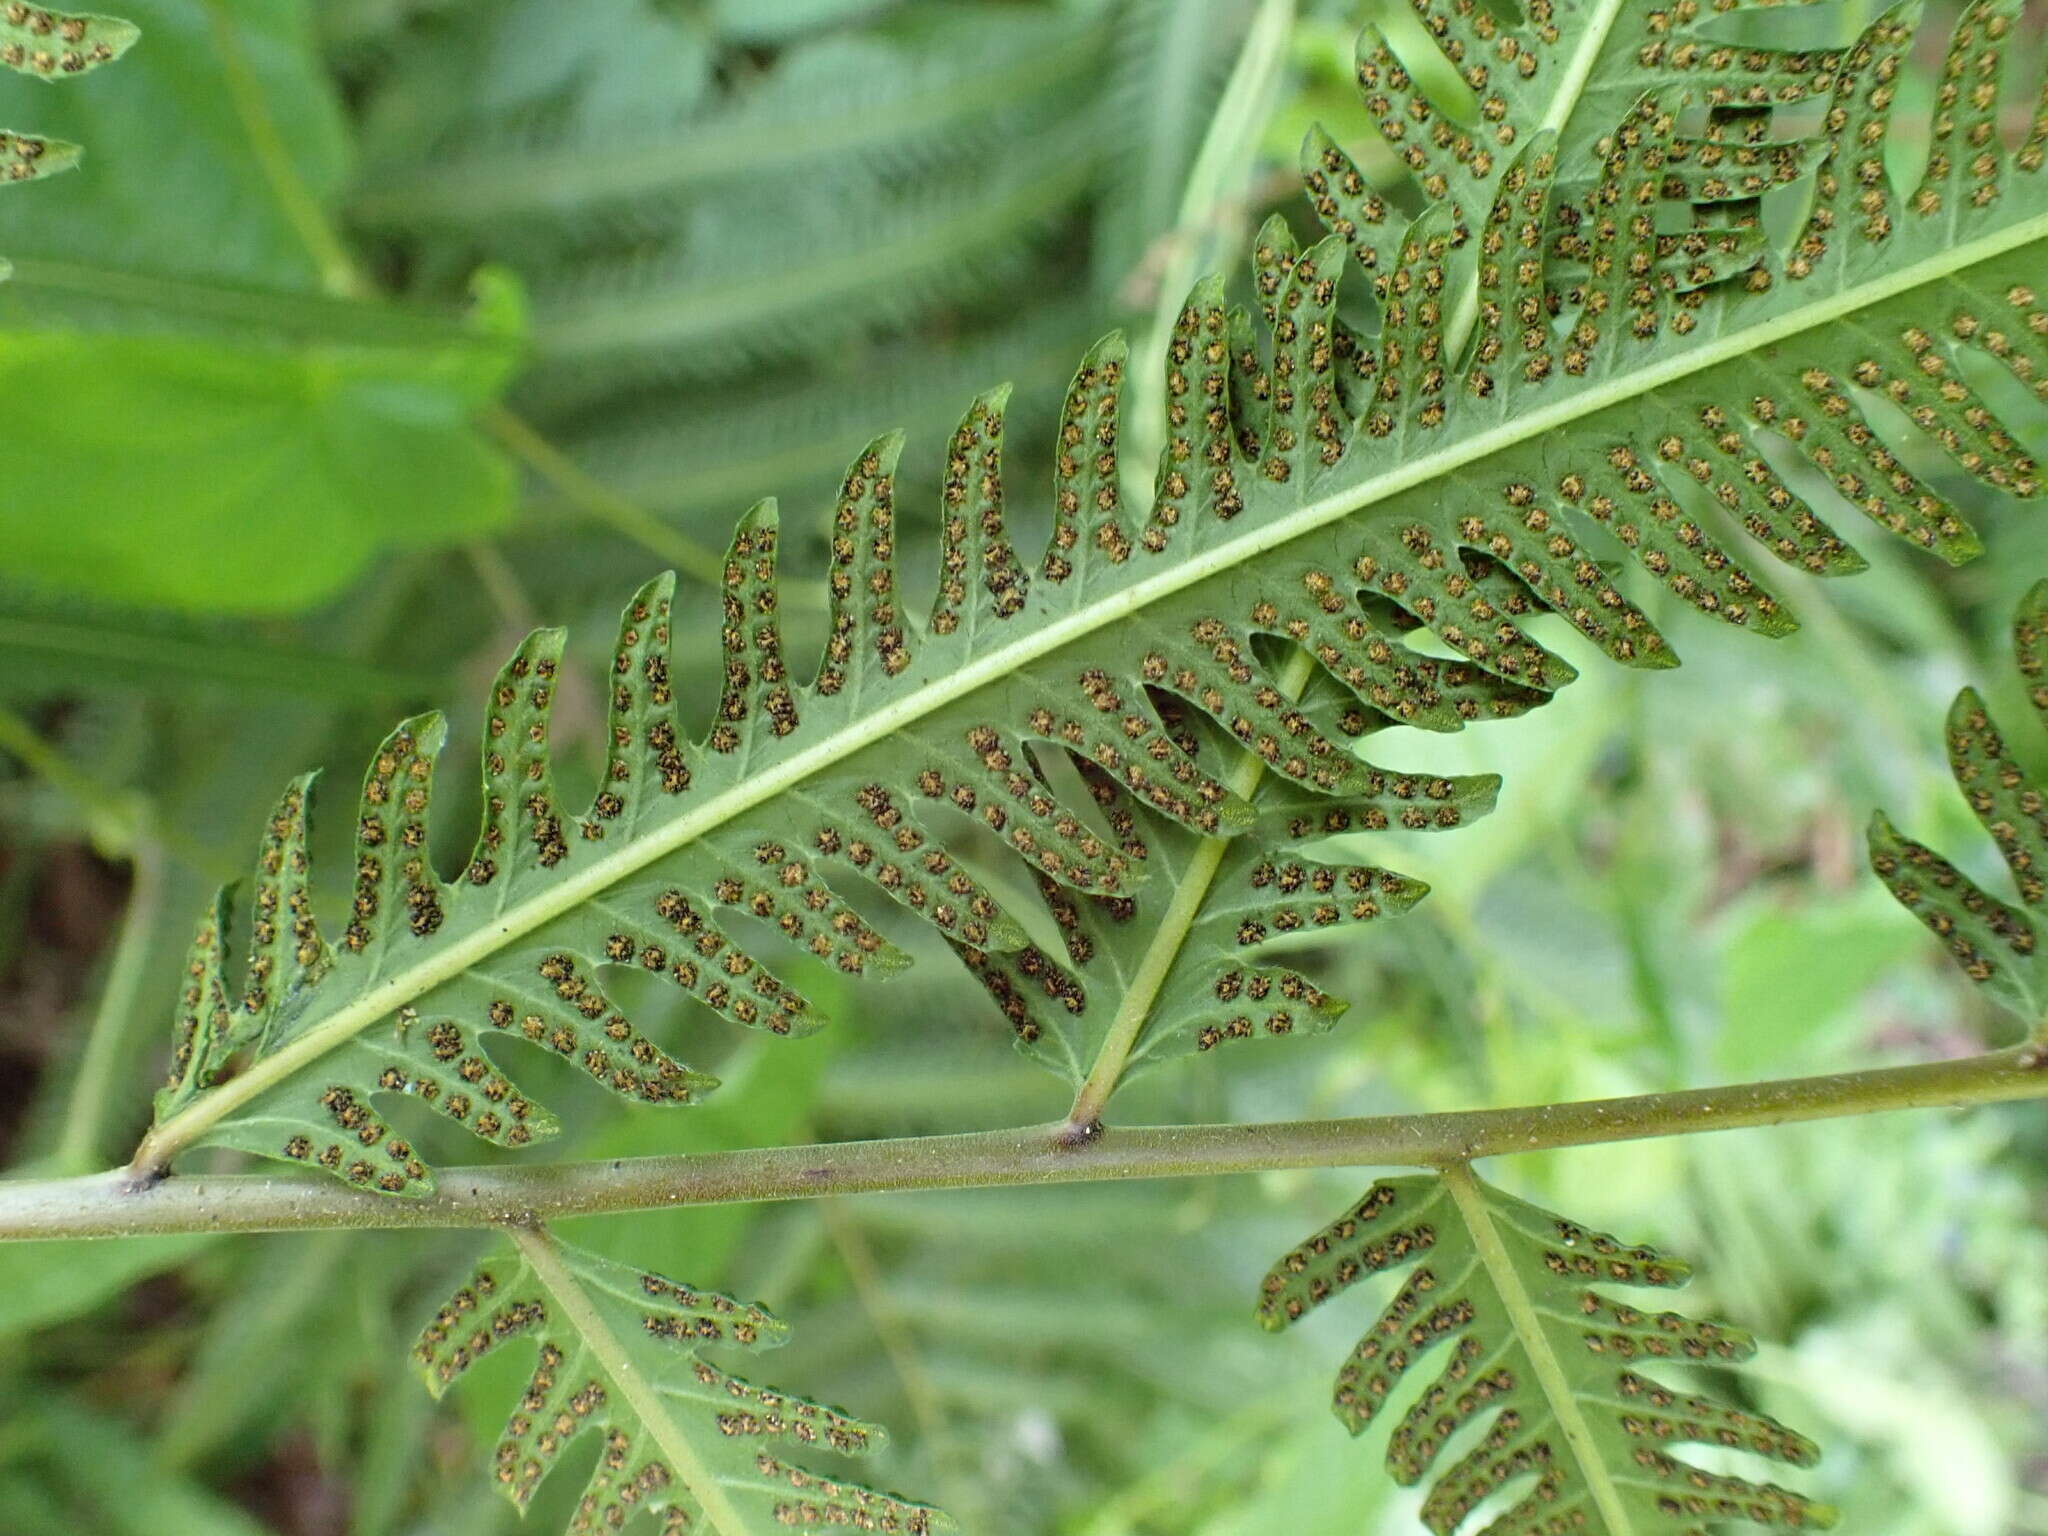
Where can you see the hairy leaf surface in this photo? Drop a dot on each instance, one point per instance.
(1542, 1406)
(1157, 713)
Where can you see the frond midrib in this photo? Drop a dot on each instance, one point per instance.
(1032, 643)
(643, 1396)
(1523, 1317)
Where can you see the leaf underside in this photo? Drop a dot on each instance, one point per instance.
(691, 1446)
(1542, 1407)
(1587, 352)
(52, 45)
(1997, 944)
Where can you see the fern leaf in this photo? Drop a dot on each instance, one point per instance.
(867, 103)
(1543, 1387)
(682, 1440)
(703, 450)
(1457, 100)
(28, 157)
(1998, 945)
(724, 296)
(50, 44)
(1158, 713)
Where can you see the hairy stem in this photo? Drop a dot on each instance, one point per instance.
(1189, 897)
(118, 1204)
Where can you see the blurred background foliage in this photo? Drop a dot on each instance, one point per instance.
(370, 335)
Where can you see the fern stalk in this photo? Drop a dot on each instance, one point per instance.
(116, 1204)
(590, 496)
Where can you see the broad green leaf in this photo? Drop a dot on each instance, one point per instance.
(174, 189)
(243, 479)
(1786, 976)
(244, 440)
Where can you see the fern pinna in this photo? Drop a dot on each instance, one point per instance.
(680, 1439)
(1588, 346)
(52, 45)
(1498, 1298)
(1997, 945)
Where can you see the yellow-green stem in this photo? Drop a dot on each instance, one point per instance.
(120, 1204)
(598, 501)
(301, 209)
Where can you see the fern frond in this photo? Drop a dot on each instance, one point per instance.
(682, 1440)
(1157, 714)
(1576, 68)
(706, 448)
(870, 105)
(1998, 945)
(724, 296)
(1543, 1377)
